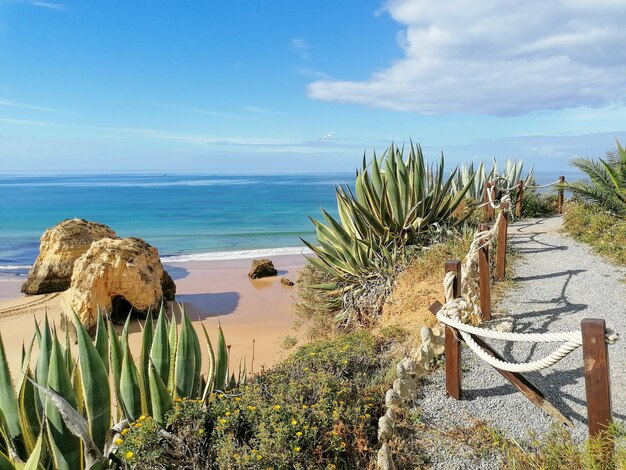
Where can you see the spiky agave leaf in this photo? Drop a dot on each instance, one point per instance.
(64, 447)
(160, 397)
(78, 426)
(130, 391)
(185, 363)
(160, 350)
(95, 385)
(9, 404)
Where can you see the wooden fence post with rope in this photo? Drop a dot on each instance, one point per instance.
(488, 196)
(520, 195)
(597, 383)
(560, 196)
(502, 240)
(452, 341)
(484, 281)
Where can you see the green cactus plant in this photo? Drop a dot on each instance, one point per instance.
(67, 400)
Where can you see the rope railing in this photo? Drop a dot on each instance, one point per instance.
(461, 314)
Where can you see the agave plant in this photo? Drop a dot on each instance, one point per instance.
(466, 175)
(62, 414)
(607, 185)
(508, 178)
(395, 203)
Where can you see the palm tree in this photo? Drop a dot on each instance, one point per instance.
(607, 185)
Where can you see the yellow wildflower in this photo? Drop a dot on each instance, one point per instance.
(237, 398)
(125, 431)
(228, 413)
(142, 417)
(277, 407)
(138, 425)
(251, 408)
(222, 421)
(299, 433)
(129, 454)
(294, 422)
(259, 457)
(304, 407)
(119, 442)
(296, 449)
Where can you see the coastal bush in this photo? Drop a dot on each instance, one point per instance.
(607, 185)
(536, 204)
(594, 225)
(317, 409)
(396, 203)
(61, 413)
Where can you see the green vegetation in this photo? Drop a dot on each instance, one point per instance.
(397, 203)
(607, 185)
(535, 204)
(317, 409)
(508, 178)
(61, 414)
(601, 229)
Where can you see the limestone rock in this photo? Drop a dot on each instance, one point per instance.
(124, 272)
(409, 366)
(392, 398)
(385, 460)
(60, 246)
(385, 428)
(502, 324)
(168, 286)
(405, 386)
(262, 268)
(286, 282)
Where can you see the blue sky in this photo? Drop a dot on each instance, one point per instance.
(306, 86)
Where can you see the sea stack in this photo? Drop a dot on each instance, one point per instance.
(60, 246)
(116, 274)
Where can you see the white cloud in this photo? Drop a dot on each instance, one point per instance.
(262, 110)
(25, 122)
(51, 6)
(13, 104)
(301, 46)
(499, 57)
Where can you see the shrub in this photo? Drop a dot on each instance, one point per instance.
(591, 224)
(538, 205)
(317, 409)
(396, 203)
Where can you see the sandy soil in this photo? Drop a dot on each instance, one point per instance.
(255, 314)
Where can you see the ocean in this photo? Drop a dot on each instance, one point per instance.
(186, 216)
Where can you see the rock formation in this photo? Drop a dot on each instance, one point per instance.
(262, 268)
(60, 247)
(116, 272)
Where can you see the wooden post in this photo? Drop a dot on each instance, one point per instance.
(559, 200)
(484, 280)
(502, 234)
(452, 342)
(487, 207)
(520, 194)
(597, 383)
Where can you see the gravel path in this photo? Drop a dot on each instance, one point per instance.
(559, 282)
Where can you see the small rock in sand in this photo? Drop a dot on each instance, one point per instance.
(286, 282)
(262, 268)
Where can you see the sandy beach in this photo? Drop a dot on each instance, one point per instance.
(250, 311)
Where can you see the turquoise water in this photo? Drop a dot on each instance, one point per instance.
(179, 214)
(193, 216)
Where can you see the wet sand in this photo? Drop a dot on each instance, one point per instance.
(251, 312)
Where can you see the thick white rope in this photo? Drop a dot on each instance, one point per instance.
(456, 312)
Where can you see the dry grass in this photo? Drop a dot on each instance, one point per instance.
(416, 288)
